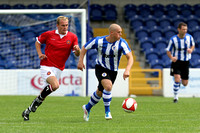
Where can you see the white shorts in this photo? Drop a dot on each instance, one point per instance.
(49, 71)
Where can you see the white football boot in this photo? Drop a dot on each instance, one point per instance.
(108, 116)
(86, 113)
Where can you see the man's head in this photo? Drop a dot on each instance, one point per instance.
(62, 24)
(115, 31)
(182, 29)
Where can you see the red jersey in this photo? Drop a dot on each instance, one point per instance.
(57, 49)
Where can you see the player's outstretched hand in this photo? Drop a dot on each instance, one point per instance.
(189, 50)
(76, 48)
(80, 66)
(126, 75)
(42, 56)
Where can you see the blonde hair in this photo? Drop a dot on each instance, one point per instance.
(61, 18)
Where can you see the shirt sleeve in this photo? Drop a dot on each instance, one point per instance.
(170, 45)
(42, 38)
(90, 44)
(126, 48)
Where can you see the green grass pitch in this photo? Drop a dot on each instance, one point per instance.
(65, 115)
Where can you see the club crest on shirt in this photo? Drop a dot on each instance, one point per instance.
(48, 73)
(68, 42)
(104, 74)
(113, 48)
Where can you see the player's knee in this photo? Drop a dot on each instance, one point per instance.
(55, 86)
(185, 84)
(108, 88)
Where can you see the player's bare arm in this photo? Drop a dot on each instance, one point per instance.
(76, 50)
(80, 65)
(174, 59)
(38, 48)
(190, 50)
(129, 57)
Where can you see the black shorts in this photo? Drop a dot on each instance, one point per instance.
(103, 73)
(180, 67)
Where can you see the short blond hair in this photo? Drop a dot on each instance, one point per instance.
(61, 18)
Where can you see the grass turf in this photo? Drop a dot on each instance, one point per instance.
(65, 115)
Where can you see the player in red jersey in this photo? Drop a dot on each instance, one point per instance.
(59, 44)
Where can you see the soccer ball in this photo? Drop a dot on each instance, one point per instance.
(129, 105)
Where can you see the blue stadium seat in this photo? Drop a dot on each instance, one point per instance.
(26, 29)
(169, 31)
(10, 62)
(19, 6)
(74, 6)
(196, 9)
(145, 46)
(155, 32)
(110, 12)
(35, 63)
(197, 42)
(129, 11)
(31, 41)
(196, 33)
(15, 33)
(165, 56)
(23, 62)
(150, 21)
(195, 63)
(5, 6)
(29, 34)
(146, 43)
(135, 22)
(192, 21)
(156, 64)
(6, 50)
(2, 25)
(144, 10)
(20, 49)
(92, 54)
(167, 63)
(158, 10)
(96, 12)
(160, 43)
(2, 63)
(33, 53)
(196, 51)
(171, 10)
(47, 6)
(61, 6)
(151, 54)
(177, 19)
(92, 64)
(162, 52)
(164, 21)
(161, 46)
(90, 33)
(195, 56)
(40, 29)
(186, 10)
(33, 6)
(141, 32)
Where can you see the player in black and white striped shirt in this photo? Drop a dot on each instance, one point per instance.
(179, 51)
